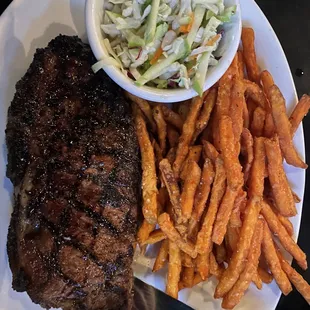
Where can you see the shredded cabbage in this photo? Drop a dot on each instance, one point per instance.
(128, 11)
(127, 23)
(107, 61)
(161, 83)
(210, 30)
(136, 9)
(170, 71)
(135, 73)
(142, 58)
(176, 45)
(146, 13)
(111, 30)
(144, 39)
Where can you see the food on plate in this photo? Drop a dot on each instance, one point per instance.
(164, 44)
(236, 293)
(201, 197)
(230, 201)
(173, 190)
(204, 117)
(248, 44)
(174, 270)
(191, 183)
(278, 229)
(145, 107)
(299, 112)
(161, 128)
(167, 227)
(149, 187)
(72, 158)
(162, 256)
(297, 280)
(172, 117)
(274, 263)
(280, 187)
(187, 135)
(283, 128)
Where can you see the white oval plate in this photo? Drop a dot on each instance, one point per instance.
(29, 24)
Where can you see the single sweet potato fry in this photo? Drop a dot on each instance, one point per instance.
(286, 223)
(194, 154)
(191, 183)
(145, 108)
(144, 231)
(297, 280)
(283, 128)
(205, 114)
(241, 66)
(257, 281)
(204, 242)
(273, 262)
(154, 237)
(236, 265)
(203, 190)
(236, 109)
(161, 128)
(257, 176)
(210, 151)
(157, 152)
(267, 82)
(223, 215)
(238, 208)
(149, 178)
(279, 184)
(223, 97)
(248, 38)
(187, 135)
(203, 265)
(173, 190)
(229, 153)
(247, 150)
(299, 112)
(256, 95)
(278, 229)
(231, 240)
(162, 256)
(233, 297)
(172, 117)
(174, 270)
(258, 122)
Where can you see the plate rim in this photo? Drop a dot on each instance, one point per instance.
(16, 3)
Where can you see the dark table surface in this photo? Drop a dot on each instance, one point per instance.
(290, 20)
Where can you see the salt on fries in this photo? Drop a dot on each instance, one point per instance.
(215, 193)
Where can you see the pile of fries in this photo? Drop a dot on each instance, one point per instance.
(215, 194)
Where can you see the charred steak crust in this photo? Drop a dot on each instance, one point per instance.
(73, 159)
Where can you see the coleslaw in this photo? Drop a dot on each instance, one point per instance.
(163, 43)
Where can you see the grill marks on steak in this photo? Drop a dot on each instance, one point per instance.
(72, 157)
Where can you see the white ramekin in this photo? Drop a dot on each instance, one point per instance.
(94, 13)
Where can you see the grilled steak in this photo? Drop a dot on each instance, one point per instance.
(74, 161)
